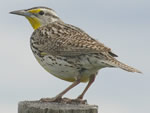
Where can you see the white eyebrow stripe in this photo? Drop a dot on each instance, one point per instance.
(52, 12)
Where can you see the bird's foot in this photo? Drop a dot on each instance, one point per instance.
(80, 97)
(54, 99)
(64, 100)
(74, 101)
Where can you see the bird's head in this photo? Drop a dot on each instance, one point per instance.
(38, 16)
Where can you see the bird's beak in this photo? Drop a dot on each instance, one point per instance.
(21, 12)
(34, 21)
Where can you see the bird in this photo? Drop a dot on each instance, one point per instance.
(66, 51)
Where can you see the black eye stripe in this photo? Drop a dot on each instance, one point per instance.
(41, 12)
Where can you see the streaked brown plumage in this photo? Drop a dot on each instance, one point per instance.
(65, 40)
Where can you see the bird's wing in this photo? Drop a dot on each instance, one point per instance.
(67, 40)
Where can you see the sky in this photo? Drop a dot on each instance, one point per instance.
(122, 25)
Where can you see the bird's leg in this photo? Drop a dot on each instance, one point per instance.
(92, 78)
(59, 96)
(67, 89)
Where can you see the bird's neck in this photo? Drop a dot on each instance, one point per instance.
(35, 23)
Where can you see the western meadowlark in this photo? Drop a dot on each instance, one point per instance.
(66, 51)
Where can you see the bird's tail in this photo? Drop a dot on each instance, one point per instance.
(115, 63)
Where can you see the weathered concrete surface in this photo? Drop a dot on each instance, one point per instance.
(52, 107)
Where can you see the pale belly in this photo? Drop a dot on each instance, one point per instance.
(68, 69)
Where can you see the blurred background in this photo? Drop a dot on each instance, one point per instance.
(123, 25)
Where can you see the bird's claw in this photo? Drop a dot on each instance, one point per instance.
(64, 100)
(74, 101)
(54, 99)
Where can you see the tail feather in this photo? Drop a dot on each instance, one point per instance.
(116, 63)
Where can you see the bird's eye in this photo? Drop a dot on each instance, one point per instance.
(41, 12)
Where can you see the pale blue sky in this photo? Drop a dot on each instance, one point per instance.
(123, 25)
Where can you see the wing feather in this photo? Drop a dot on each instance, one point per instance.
(66, 40)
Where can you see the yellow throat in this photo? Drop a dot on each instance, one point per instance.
(34, 22)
